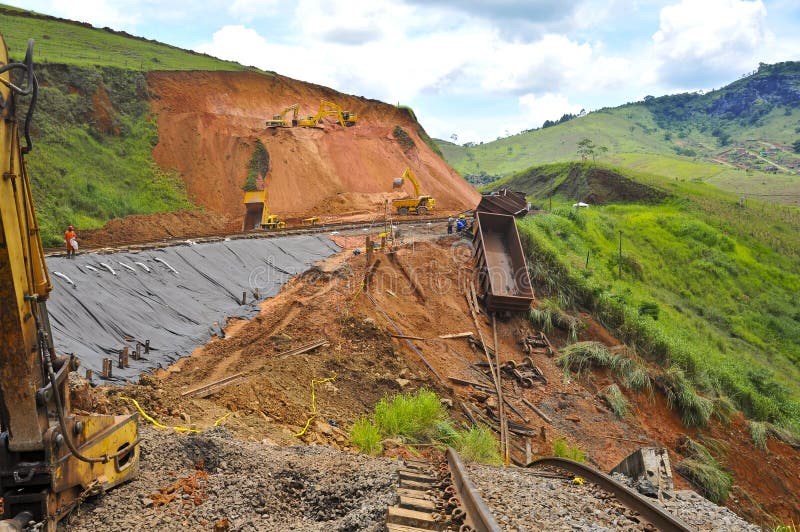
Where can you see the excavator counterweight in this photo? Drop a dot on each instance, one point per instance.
(50, 458)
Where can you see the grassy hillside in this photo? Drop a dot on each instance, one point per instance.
(92, 156)
(74, 43)
(707, 287)
(93, 135)
(739, 138)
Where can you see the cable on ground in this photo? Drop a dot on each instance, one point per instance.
(314, 382)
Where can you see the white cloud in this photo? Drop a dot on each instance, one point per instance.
(247, 10)
(703, 40)
(549, 106)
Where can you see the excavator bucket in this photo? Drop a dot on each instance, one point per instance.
(398, 182)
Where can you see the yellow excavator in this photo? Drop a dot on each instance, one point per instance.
(420, 204)
(281, 120)
(257, 215)
(326, 108)
(50, 458)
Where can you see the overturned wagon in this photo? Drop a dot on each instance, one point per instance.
(502, 269)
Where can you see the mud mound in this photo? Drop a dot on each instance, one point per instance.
(208, 123)
(150, 227)
(582, 182)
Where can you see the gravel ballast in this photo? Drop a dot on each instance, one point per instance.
(244, 486)
(524, 500)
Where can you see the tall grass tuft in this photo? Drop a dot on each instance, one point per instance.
(562, 449)
(366, 437)
(758, 433)
(616, 401)
(703, 470)
(695, 410)
(413, 416)
(478, 445)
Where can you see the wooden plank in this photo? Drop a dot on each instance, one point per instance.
(221, 382)
(403, 516)
(304, 348)
(537, 411)
(414, 503)
(457, 335)
(406, 337)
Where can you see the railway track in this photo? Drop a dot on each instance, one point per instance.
(127, 246)
(439, 496)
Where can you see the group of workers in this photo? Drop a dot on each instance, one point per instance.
(461, 224)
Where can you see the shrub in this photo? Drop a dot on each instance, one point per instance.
(366, 437)
(413, 416)
(478, 445)
(258, 166)
(562, 449)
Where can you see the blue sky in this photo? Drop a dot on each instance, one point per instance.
(477, 69)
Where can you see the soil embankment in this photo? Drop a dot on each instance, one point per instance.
(208, 123)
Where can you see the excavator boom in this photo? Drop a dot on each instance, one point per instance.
(419, 204)
(49, 458)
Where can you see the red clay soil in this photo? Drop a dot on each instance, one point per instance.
(273, 401)
(152, 227)
(208, 123)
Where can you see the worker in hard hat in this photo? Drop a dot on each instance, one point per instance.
(71, 239)
(461, 224)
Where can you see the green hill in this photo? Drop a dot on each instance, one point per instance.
(739, 138)
(92, 130)
(68, 42)
(708, 288)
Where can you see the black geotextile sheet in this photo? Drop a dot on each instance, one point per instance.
(175, 297)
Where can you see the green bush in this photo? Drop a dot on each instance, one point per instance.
(416, 417)
(562, 449)
(695, 410)
(478, 445)
(366, 437)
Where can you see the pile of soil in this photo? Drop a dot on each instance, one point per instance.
(160, 226)
(208, 123)
(421, 290)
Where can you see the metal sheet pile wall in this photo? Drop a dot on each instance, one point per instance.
(175, 297)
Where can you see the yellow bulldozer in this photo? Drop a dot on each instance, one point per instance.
(281, 120)
(419, 204)
(51, 457)
(257, 215)
(327, 108)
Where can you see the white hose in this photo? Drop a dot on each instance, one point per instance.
(143, 266)
(108, 267)
(162, 261)
(67, 279)
(126, 266)
(89, 267)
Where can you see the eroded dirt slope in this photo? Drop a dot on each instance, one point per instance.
(208, 123)
(272, 403)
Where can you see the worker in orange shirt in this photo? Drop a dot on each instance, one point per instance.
(70, 237)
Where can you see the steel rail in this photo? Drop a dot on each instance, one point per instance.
(479, 516)
(657, 516)
(255, 233)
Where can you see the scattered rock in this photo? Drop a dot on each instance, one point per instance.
(402, 382)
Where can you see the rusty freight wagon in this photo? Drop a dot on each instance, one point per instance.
(502, 270)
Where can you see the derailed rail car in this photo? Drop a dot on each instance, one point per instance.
(502, 269)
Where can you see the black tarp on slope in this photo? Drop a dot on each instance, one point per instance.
(177, 312)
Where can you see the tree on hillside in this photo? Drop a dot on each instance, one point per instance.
(587, 148)
(796, 146)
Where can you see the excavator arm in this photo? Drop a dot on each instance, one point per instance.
(49, 458)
